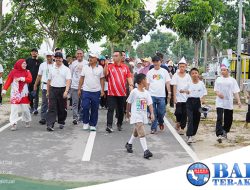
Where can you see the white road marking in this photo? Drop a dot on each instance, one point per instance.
(89, 147)
(191, 153)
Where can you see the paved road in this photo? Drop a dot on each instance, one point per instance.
(35, 153)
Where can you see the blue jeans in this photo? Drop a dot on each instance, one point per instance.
(90, 106)
(159, 111)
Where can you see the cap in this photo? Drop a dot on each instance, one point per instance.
(147, 59)
(34, 49)
(183, 60)
(58, 54)
(49, 53)
(93, 55)
(102, 57)
(170, 63)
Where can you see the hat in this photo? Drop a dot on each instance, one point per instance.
(58, 54)
(131, 63)
(170, 63)
(183, 60)
(223, 66)
(147, 59)
(93, 55)
(34, 49)
(102, 57)
(49, 53)
(138, 61)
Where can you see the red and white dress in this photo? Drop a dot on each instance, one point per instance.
(19, 98)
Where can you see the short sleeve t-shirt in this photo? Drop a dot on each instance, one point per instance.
(44, 71)
(181, 83)
(76, 69)
(157, 82)
(197, 90)
(59, 76)
(227, 87)
(139, 102)
(92, 78)
(1, 71)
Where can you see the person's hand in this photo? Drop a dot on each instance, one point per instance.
(65, 94)
(239, 104)
(17, 79)
(102, 94)
(220, 95)
(3, 92)
(152, 117)
(22, 79)
(128, 114)
(79, 93)
(202, 101)
(131, 87)
(182, 91)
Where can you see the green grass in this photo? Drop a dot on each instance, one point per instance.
(11, 182)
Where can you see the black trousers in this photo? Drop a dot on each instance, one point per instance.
(34, 100)
(181, 114)
(103, 101)
(115, 103)
(1, 99)
(248, 114)
(193, 115)
(57, 106)
(228, 120)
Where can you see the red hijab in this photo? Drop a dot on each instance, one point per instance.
(18, 72)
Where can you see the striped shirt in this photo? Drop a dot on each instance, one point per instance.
(117, 76)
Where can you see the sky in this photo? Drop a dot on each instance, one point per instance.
(95, 47)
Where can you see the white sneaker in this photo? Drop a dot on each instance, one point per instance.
(85, 126)
(181, 132)
(13, 127)
(92, 128)
(27, 125)
(189, 140)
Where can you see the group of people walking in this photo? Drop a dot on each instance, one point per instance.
(138, 90)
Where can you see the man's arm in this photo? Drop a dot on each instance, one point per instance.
(128, 110)
(105, 70)
(130, 83)
(237, 96)
(68, 82)
(81, 81)
(102, 80)
(48, 87)
(168, 89)
(174, 95)
(38, 79)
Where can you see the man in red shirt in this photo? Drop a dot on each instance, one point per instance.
(117, 74)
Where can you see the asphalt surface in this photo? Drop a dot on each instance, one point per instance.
(35, 153)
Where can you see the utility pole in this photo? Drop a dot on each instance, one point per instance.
(205, 51)
(238, 76)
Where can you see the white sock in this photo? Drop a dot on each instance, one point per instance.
(132, 138)
(144, 143)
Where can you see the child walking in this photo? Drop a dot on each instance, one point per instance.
(137, 103)
(19, 78)
(195, 93)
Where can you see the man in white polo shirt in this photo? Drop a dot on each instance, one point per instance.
(92, 83)
(58, 84)
(43, 74)
(76, 69)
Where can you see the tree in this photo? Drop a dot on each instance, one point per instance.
(189, 18)
(159, 42)
(183, 48)
(19, 39)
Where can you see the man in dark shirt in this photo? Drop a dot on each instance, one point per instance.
(33, 64)
(65, 62)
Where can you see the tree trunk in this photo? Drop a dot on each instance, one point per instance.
(55, 42)
(196, 53)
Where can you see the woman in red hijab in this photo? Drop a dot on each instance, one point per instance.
(18, 79)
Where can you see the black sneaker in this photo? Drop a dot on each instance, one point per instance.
(109, 129)
(224, 135)
(50, 128)
(129, 148)
(35, 112)
(147, 154)
(119, 127)
(219, 139)
(61, 126)
(42, 121)
(75, 122)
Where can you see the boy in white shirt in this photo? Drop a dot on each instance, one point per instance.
(180, 81)
(195, 93)
(158, 78)
(225, 88)
(137, 103)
